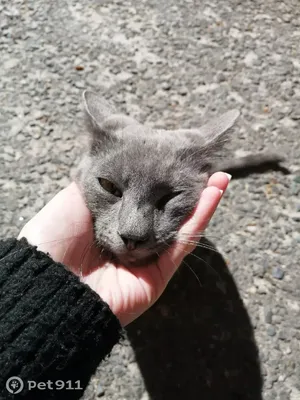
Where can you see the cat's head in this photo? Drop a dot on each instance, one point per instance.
(139, 183)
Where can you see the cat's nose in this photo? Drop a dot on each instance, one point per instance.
(132, 242)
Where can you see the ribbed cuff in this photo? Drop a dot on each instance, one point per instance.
(52, 326)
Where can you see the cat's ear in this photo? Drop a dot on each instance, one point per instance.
(102, 120)
(201, 145)
(210, 137)
(213, 132)
(97, 108)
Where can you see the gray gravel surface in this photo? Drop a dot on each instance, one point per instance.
(173, 64)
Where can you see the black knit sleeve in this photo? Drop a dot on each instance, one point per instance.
(52, 326)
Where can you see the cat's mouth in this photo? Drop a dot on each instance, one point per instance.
(131, 259)
(144, 257)
(138, 257)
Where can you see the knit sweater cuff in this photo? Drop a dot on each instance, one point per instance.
(52, 326)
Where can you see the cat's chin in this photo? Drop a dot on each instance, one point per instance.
(139, 258)
(131, 262)
(128, 260)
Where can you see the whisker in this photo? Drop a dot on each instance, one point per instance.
(189, 267)
(198, 244)
(201, 259)
(194, 273)
(200, 235)
(184, 262)
(159, 269)
(197, 238)
(57, 240)
(65, 252)
(85, 252)
(170, 258)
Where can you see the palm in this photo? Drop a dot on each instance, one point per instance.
(128, 292)
(63, 228)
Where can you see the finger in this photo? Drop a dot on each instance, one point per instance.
(205, 209)
(219, 180)
(170, 261)
(207, 204)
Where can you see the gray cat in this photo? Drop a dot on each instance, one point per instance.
(140, 184)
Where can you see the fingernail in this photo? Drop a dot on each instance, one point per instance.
(221, 191)
(228, 176)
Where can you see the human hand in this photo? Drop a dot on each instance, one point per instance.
(64, 229)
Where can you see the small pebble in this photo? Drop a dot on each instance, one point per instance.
(282, 334)
(284, 396)
(79, 85)
(183, 91)
(297, 179)
(251, 228)
(295, 188)
(100, 391)
(221, 77)
(268, 315)
(296, 323)
(278, 273)
(271, 331)
(276, 319)
(143, 68)
(288, 351)
(166, 86)
(287, 17)
(118, 371)
(259, 270)
(295, 216)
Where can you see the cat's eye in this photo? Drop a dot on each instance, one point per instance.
(110, 187)
(163, 201)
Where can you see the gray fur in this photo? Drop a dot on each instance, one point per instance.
(146, 165)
